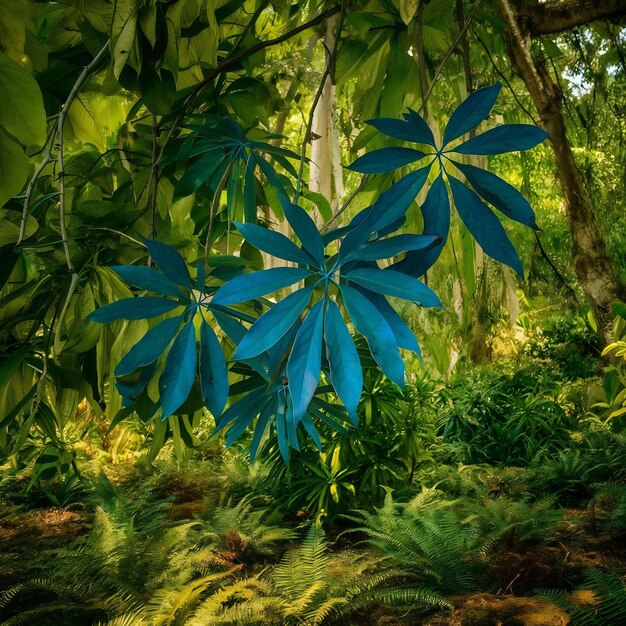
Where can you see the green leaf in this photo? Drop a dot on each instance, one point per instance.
(13, 170)
(22, 113)
(123, 32)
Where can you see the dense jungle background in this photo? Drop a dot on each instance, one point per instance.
(147, 481)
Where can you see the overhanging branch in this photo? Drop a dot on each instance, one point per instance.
(558, 16)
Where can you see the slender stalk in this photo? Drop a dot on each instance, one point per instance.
(62, 207)
(32, 182)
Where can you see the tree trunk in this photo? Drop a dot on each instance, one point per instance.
(593, 268)
(326, 175)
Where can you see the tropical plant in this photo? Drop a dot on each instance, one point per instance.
(426, 544)
(607, 605)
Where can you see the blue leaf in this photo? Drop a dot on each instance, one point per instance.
(436, 214)
(471, 112)
(395, 284)
(169, 262)
(505, 138)
(249, 195)
(257, 284)
(423, 132)
(234, 329)
(241, 409)
(179, 371)
(292, 426)
(147, 278)
(270, 174)
(373, 326)
(259, 430)
(201, 277)
(500, 194)
(345, 367)
(404, 129)
(385, 160)
(403, 334)
(386, 248)
(484, 226)
(273, 243)
(281, 428)
(306, 230)
(304, 364)
(213, 371)
(309, 426)
(237, 429)
(390, 206)
(273, 324)
(150, 347)
(132, 309)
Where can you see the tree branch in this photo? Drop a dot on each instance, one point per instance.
(557, 16)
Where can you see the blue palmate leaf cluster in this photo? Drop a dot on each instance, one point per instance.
(302, 348)
(481, 186)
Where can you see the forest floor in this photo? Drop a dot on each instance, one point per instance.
(511, 582)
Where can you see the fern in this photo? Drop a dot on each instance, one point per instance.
(609, 600)
(426, 540)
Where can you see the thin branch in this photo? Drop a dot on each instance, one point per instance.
(554, 268)
(328, 70)
(231, 60)
(32, 182)
(62, 217)
(504, 78)
(346, 204)
(449, 53)
(421, 57)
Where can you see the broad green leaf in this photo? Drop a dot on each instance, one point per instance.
(123, 33)
(10, 230)
(13, 171)
(22, 113)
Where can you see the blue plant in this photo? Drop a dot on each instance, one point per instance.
(174, 337)
(283, 353)
(480, 220)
